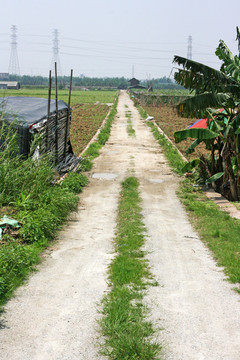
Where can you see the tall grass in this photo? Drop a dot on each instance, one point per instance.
(29, 194)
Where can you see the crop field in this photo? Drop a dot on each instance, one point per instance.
(77, 96)
(168, 120)
(86, 119)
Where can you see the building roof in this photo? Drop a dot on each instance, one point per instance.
(133, 79)
(9, 83)
(137, 87)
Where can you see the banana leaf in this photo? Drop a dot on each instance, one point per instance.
(190, 165)
(198, 105)
(200, 134)
(191, 148)
(236, 124)
(215, 177)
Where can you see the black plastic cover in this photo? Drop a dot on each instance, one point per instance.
(27, 110)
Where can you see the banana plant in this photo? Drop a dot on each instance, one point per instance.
(214, 89)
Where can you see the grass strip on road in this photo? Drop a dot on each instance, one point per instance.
(128, 335)
(130, 129)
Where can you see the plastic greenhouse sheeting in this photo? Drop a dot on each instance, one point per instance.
(29, 116)
(28, 110)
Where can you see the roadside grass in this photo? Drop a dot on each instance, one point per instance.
(217, 229)
(128, 335)
(130, 129)
(175, 160)
(29, 194)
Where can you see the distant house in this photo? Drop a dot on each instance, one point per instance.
(135, 84)
(134, 81)
(4, 76)
(9, 85)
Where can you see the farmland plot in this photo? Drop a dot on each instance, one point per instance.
(86, 119)
(168, 120)
(77, 97)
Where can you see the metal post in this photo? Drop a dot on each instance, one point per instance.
(49, 107)
(56, 117)
(68, 113)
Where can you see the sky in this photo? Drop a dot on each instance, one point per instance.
(115, 38)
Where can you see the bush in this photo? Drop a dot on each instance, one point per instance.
(15, 262)
(74, 182)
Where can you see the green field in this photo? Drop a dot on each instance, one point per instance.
(77, 96)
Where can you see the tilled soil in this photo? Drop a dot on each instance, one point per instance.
(169, 121)
(54, 315)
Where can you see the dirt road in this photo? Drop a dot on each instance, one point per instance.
(54, 315)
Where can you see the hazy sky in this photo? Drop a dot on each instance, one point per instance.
(105, 38)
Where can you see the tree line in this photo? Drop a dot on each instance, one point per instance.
(106, 82)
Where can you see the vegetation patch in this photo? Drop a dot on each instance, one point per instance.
(175, 160)
(216, 228)
(128, 335)
(30, 194)
(130, 129)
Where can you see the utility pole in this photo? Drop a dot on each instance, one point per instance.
(14, 68)
(55, 48)
(189, 49)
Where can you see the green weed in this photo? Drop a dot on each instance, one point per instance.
(127, 332)
(29, 193)
(175, 160)
(130, 129)
(74, 183)
(16, 261)
(216, 228)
